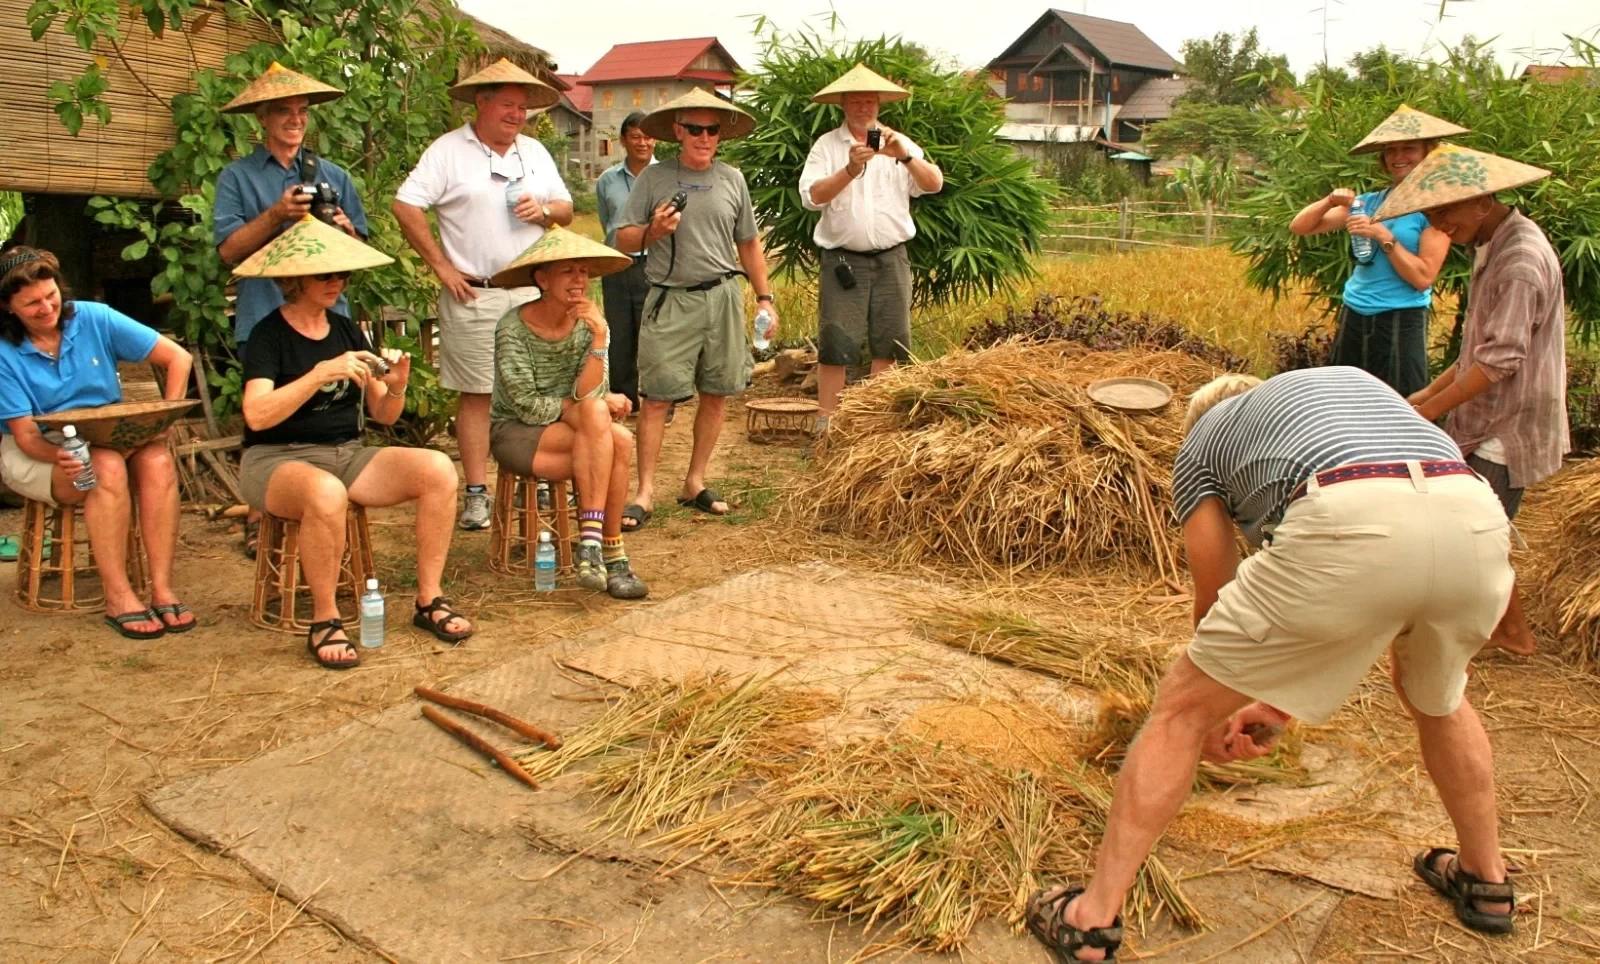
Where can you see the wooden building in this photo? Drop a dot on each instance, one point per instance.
(643, 76)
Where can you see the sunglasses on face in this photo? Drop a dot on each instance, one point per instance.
(333, 276)
(696, 130)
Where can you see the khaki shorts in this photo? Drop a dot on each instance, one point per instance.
(466, 336)
(513, 443)
(877, 311)
(344, 462)
(695, 342)
(1351, 569)
(24, 474)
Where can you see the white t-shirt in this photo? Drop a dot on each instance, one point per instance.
(873, 212)
(464, 180)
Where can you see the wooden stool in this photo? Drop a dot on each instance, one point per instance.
(47, 578)
(515, 526)
(281, 591)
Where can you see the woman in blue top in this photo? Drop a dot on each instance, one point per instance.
(1383, 324)
(56, 354)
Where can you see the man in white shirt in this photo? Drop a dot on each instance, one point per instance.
(862, 178)
(494, 190)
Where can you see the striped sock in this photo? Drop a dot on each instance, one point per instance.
(613, 552)
(590, 524)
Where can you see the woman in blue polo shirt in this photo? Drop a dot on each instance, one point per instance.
(56, 354)
(1383, 323)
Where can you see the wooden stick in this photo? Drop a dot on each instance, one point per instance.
(478, 743)
(204, 388)
(209, 445)
(490, 713)
(223, 473)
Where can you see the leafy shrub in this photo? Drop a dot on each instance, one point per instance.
(1084, 319)
(1583, 402)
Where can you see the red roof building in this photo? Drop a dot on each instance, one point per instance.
(696, 59)
(580, 97)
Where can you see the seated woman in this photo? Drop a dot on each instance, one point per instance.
(552, 416)
(56, 354)
(307, 373)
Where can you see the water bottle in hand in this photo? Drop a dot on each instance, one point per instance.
(371, 616)
(763, 327)
(514, 193)
(84, 480)
(1361, 247)
(544, 564)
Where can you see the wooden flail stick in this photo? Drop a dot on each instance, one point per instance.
(490, 713)
(478, 743)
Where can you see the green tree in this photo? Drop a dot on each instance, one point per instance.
(1233, 70)
(976, 236)
(1216, 132)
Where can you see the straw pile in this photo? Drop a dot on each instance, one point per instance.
(1563, 582)
(998, 459)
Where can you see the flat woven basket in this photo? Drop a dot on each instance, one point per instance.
(770, 421)
(1130, 394)
(123, 426)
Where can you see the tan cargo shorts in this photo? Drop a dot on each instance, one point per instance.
(694, 341)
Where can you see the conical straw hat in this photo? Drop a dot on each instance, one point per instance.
(1406, 124)
(1452, 174)
(861, 79)
(310, 247)
(559, 244)
(504, 71)
(736, 121)
(278, 82)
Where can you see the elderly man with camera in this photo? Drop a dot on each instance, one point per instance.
(494, 191)
(693, 214)
(862, 177)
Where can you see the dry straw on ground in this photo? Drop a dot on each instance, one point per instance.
(1563, 581)
(998, 460)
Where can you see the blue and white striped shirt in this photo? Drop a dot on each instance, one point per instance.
(1253, 450)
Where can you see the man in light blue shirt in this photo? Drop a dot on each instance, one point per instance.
(624, 291)
(261, 194)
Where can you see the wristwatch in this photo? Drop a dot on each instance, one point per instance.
(905, 160)
(1387, 246)
(601, 352)
(766, 298)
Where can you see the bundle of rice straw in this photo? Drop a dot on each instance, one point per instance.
(1563, 581)
(998, 458)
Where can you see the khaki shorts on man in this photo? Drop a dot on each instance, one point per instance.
(466, 336)
(876, 311)
(694, 341)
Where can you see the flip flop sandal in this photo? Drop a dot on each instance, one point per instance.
(638, 514)
(252, 538)
(1465, 891)
(1047, 920)
(176, 611)
(328, 628)
(120, 624)
(424, 620)
(704, 502)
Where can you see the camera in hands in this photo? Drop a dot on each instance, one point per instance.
(324, 199)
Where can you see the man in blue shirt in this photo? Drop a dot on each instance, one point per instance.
(259, 195)
(624, 291)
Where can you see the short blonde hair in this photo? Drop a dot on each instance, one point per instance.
(1215, 391)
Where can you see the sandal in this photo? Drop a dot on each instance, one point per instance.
(634, 517)
(120, 624)
(1467, 891)
(252, 537)
(1047, 920)
(424, 620)
(705, 502)
(176, 611)
(328, 628)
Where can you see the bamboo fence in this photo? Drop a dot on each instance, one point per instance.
(1134, 225)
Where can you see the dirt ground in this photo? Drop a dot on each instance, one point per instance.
(90, 723)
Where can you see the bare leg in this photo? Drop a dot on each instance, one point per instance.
(881, 365)
(590, 421)
(106, 513)
(397, 475)
(830, 382)
(1513, 634)
(617, 484)
(156, 475)
(652, 428)
(472, 436)
(707, 429)
(317, 501)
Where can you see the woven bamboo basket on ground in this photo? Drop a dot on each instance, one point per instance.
(778, 421)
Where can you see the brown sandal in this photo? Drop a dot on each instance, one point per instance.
(424, 620)
(328, 628)
(1047, 919)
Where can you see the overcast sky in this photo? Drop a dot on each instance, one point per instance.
(972, 33)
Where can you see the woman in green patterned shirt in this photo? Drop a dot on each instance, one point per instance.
(553, 415)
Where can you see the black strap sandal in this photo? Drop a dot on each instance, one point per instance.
(328, 628)
(1467, 891)
(176, 611)
(706, 501)
(424, 620)
(635, 517)
(1047, 920)
(121, 623)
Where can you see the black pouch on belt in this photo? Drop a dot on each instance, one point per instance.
(845, 274)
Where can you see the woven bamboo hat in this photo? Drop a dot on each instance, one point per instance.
(504, 71)
(1406, 124)
(1452, 173)
(559, 244)
(310, 247)
(278, 82)
(861, 79)
(736, 121)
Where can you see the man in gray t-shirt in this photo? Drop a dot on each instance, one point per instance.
(693, 336)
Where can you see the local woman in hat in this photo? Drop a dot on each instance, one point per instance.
(553, 414)
(311, 380)
(1383, 324)
(58, 353)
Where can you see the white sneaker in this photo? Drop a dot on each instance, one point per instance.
(475, 511)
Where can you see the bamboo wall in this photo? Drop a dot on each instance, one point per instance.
(41, 157)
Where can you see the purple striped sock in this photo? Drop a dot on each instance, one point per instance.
(591, 525)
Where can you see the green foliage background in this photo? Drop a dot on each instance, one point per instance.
(979, 233)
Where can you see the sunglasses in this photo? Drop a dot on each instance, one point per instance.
(333, 276)
(695, 130)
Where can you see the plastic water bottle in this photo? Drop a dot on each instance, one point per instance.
(544, 564)
(85, 480)
(514, 194)
(371, 616)
(763, 329)
(1361, 247)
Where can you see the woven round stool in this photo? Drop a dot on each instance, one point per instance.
(516, 523)
(47, 575)
(780, 421)
(281, 594)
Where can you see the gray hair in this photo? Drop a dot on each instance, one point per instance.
(291, 287)
(1213, 393)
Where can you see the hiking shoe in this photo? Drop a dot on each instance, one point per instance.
(475, 511)
(591, 567)
(621, 583)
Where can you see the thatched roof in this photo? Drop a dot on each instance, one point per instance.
(498, 43)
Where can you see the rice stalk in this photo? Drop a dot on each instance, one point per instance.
(1562, 584)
